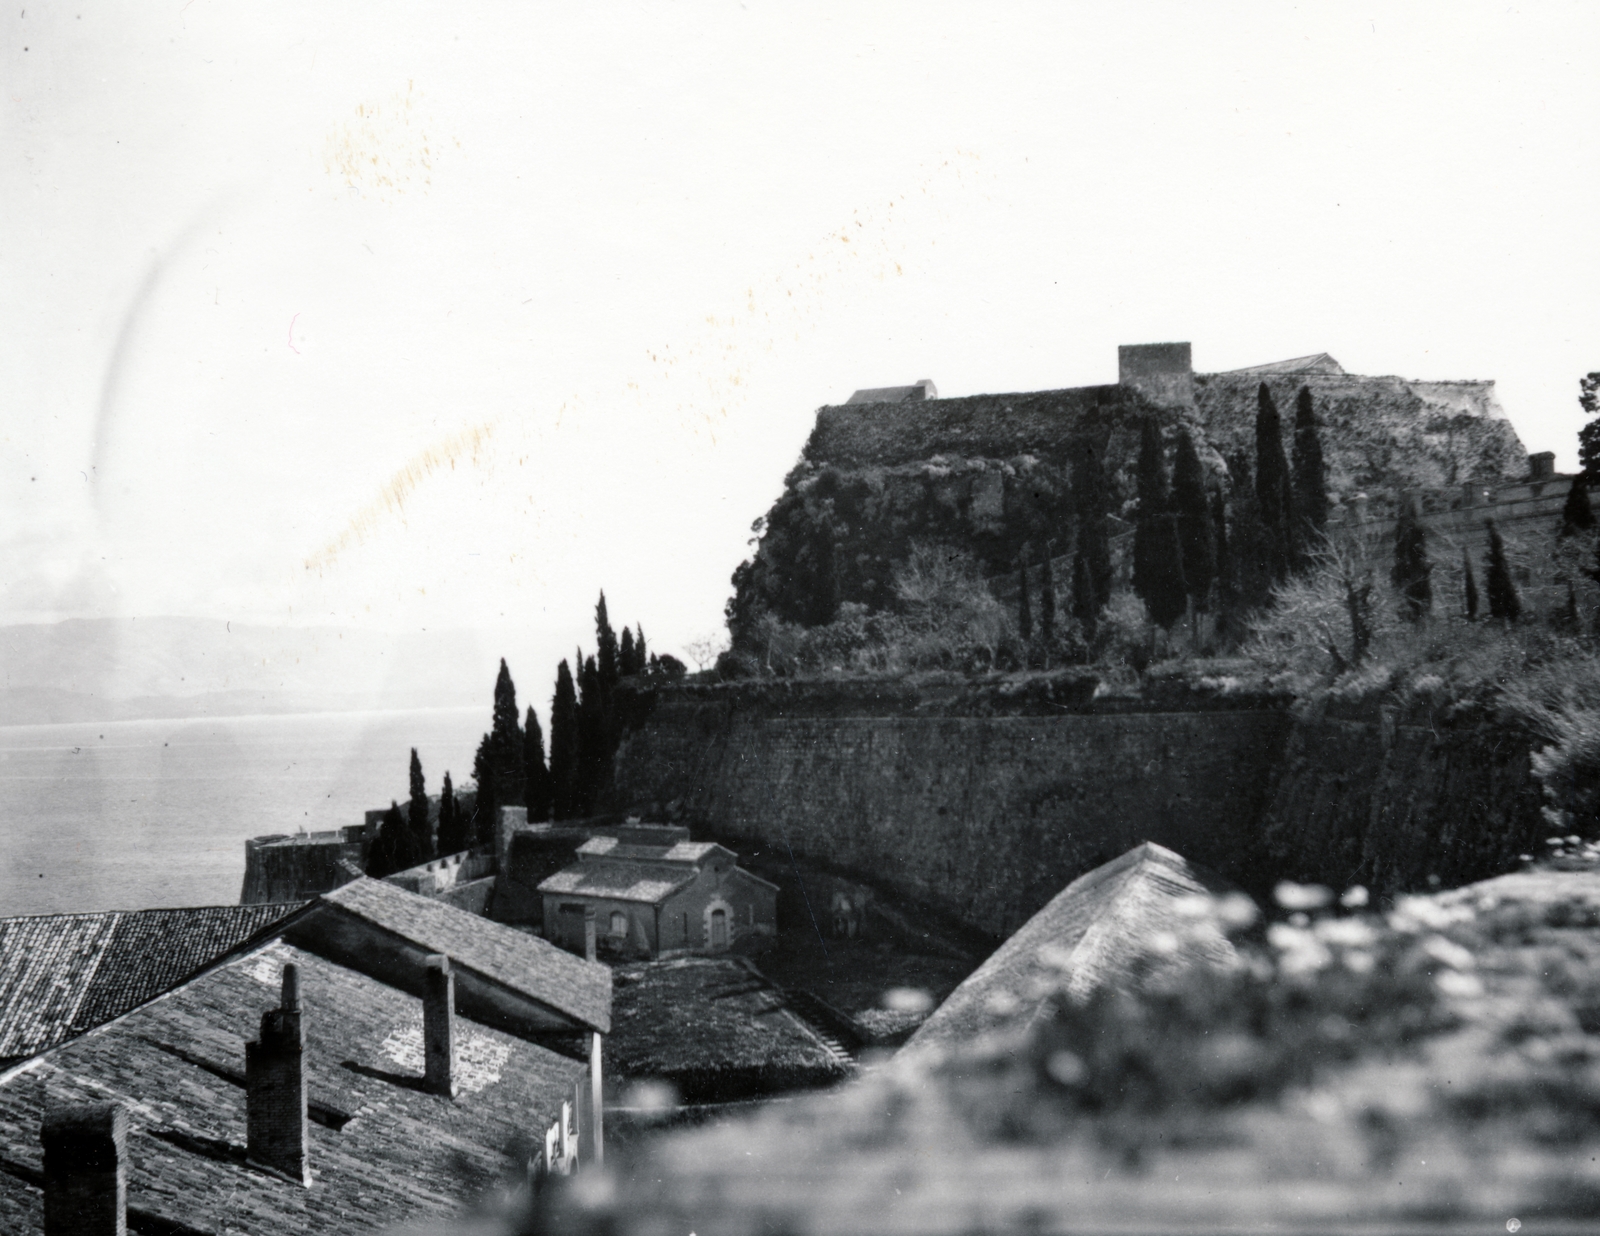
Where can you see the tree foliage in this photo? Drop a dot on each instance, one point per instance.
(1047, 599)
(1577, 515)
(1412, 572)
(1196, 532)
(563, 746)
(417, 809)
(452, 827)
(536, 774)
(1589, 435)
(1273, 496)
(1092, 505)
(607, 657)
(394, 848)
(1504, 602)
(1469, 586)
(1309, 483)
(1024, 602)
(498, 765)
(1157, 554)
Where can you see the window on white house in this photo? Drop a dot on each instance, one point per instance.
(619, 923)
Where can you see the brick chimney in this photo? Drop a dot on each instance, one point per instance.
(438, 1028)
(590, 945)
(85, 1169)
(275, 1088)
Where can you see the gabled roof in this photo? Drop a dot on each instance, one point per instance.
(1095, 932)
(62, 974)
(916, 392)
(1320, 362)
(381, 1152)
(619, 880)
(677, 852)
(747, 1039)
(524, 963)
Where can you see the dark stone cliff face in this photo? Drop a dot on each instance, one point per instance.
(984, 809)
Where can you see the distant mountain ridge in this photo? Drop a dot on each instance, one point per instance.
(88, 669)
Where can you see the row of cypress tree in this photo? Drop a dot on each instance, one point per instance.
(1191, 552)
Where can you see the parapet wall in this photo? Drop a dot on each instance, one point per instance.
(985, 809)
(984, 817)
(285, 867)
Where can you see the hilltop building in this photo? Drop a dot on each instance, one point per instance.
(655, 893)
(375, 1058)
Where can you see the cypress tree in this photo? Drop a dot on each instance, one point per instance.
(1157, 556)
(1196, 534)
(505, 702)
(393, 848)
(1047, 598)
(417, 810)
(591, 737)
(486, 806)
(1577, 515)
(563, 745)
(1310, 482)
(452, 836)
(625, 657)
(1227, 584)
(606, 646)
(1504, 603)
(1412, 571)
(1092, 506)
(536, 773)
(1085, 608)
(1471, 585)
(1273, 498)
(639, 650)
(1249, 545)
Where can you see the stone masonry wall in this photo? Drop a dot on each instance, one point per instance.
(983, 817)
(987, 816)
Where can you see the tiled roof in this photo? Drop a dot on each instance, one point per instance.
(1092, 933)
(717, 1029)
(524, 963)
(382, 1152)
(1321, 362)
(61, 974)
(620, 880)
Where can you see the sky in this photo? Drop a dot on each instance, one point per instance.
(415, 318)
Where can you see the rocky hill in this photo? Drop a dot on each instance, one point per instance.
(987, 473)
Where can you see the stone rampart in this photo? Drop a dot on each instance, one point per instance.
(983, 817)
(984, 809)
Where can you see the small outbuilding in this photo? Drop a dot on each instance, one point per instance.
(655, 893)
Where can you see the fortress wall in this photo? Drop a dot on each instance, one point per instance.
(987, 817)
(296, 868)
(1387, 805)
(982, 817)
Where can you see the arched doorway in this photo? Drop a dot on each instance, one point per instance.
(719, 929)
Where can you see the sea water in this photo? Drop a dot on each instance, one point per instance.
(123, 815)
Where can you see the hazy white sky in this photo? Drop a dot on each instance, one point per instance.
(410, 317)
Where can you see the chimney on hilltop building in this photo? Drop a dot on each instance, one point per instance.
(1162, 372)
(590, 948)
(85, 1169)
(1541, 466)
(275, 1088)
(438, 1027)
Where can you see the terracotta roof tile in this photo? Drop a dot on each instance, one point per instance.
(524, 963)
(61, 974)
(382, 1153)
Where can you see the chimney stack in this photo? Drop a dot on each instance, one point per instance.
(590, 949)
(438, 1031)
(1161, 372)
(275, 1088)
(85, 1169)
